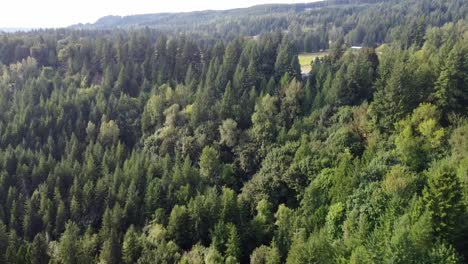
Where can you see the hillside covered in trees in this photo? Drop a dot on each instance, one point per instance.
(196, 139)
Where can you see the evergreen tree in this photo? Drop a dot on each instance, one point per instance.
(68, 246)
(3, 242)
(209, 164)
(395, 99)
(213, 256)
(110, 252)
(442, 197)
(179, 226)
(233, 247)
(176, 142)
(451, 86)
(131, 248)
(264, 123)
(228, 103)
(228, 132)
(39, 250)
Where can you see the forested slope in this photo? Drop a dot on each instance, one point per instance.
(149, 146)
(311, 26)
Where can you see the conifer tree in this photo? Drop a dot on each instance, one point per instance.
(233, 246)
(39, 250)
(3, 242)
(131, 248)
(68, 246)
(179, 226)
(451, 87)
(443, 200)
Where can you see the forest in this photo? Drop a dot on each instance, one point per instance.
(202, 142)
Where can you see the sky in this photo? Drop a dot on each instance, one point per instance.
(61, 13)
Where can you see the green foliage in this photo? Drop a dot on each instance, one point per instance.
(264, 120)
(110, 251)
(197, 139)
(131, 248)
(420, 137)
(179, 226)
(450, 88)
(284, 231)
(265, 255)
(443, 253)
(335, 219)
(443, 200)
(39, 250)
(400, 181)
(109, 132)
(213, 256)
(316, 249)
(3, 242)
(459, 142)
(209, 164)
(228, 133)
(286, 61)
(233, 246)
(393, 100)
(68, 246)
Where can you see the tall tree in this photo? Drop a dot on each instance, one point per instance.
(68, 247)
(451, 92)
(39, 250)
(443, 200)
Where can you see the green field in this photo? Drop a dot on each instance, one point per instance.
(305, 60)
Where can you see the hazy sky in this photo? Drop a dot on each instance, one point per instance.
(59, 13)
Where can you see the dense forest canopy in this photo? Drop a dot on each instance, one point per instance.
(194, 138)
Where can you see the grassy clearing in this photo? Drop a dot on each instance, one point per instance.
(305, 60)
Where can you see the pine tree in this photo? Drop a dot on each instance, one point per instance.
(273, 256)
(179, 226)
(451, 88)
(209, 165)
(228, 133)
(110, 252)
(68, 246)
(230, 59)
(265, 255)
(233, 246)
(32, 223)
(213, 256)
(284, 231)
(39, 249)
(3, 242)
(131, 248)
(60, 219)
(264, 121)
(286, 61)
(228, 103)
(109, 132)
(395, 99)
(291, 104)
(122, 83)
(443, 200)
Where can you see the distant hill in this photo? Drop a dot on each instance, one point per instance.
(198, 18)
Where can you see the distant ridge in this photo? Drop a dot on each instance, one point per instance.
(207, 16)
